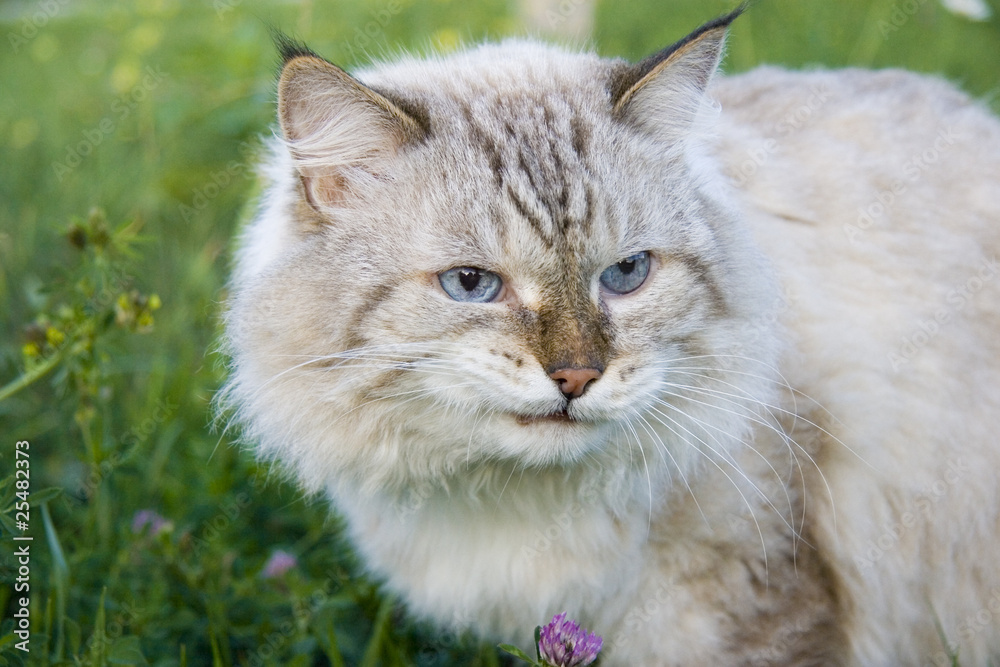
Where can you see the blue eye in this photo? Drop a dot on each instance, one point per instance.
(470, 284)
(627, 275)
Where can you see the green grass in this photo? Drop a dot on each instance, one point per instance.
(169, 101)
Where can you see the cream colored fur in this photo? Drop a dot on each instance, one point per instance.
(791, 456)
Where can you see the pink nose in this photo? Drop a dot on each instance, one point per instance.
(573, 381)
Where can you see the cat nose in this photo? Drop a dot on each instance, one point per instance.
(574, 381)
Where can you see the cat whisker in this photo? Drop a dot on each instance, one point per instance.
(342, 358)
(794, 393)
(503, 489)
(468, 450)
(663, 449)
(789, 523)
(746, 414)
(375, 352)
(423, 391)
(645, 463)
(735, 399)
(388, 353)
(414, 394)
(721, 453)
(738, 400)
(746, 501)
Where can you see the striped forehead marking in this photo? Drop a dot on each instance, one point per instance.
(537, 152)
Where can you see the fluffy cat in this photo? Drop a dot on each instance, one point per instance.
(711, 363)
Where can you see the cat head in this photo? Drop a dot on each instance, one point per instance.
(512, 254)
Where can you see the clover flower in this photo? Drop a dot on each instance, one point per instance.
(144, 518)
(560, 643)
(279, 563)
(563, 643)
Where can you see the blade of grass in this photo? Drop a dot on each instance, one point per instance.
(374, 649)
(61, 571)
(333, 649)
(216, 655)
(98, 641)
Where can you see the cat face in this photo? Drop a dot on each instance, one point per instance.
(495, 257)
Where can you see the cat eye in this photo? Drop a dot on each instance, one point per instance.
(627, 275)
(470, 284)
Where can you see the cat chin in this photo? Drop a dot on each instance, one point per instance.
(550, 439)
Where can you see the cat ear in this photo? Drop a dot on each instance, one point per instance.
(664, 92)
(335, 127)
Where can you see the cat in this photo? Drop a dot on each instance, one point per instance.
(708, 362)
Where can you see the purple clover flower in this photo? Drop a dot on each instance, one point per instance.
(150, 518)
(279, 563)
(563, 643)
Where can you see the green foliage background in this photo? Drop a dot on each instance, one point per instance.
(153, 111)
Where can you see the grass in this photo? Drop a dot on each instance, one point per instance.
(152, 111)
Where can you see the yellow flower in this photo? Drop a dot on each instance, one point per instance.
(54, 336)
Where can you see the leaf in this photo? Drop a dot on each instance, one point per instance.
(127, 651)
(55, 548)
(44, 496)
(98, 638)
(7, 524)
(74, 636)
(516, 652)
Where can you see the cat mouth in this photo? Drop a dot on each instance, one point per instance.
(559, 417)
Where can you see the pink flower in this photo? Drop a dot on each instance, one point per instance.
(279, 563)
(563, 643)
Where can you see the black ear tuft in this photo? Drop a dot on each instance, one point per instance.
(289, 49)
(631, 75)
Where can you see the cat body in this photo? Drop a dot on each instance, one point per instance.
(777, 448)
